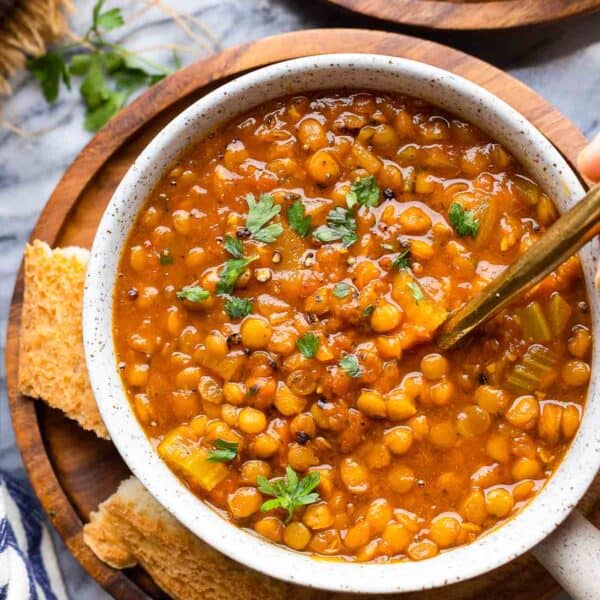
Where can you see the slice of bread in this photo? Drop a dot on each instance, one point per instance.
(131, 528)
(51, 361)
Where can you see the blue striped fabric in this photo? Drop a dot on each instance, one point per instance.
(28, 565)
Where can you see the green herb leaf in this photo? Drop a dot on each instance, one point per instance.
(289, 492)
(416, 292)
(94, 89)
(368, 311)
(193, 293)
(364, 191)
(402, 261)
(341, 289)
(351, 365)
(111, 19)
(49, 69)
(259, 214)
(299, 222)
(308, 345)
(238, 308)
(80, 63)
(233, 269)
(98, 117)
(234, 246)
(166, 258)
(340, 225)
(224, 451)
(463, 221)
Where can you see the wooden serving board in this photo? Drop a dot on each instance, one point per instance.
(71, 470)
(469, 14)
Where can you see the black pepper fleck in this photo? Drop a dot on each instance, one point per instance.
(388, 194)
(483, 379)
(243, 233)
(302, 438)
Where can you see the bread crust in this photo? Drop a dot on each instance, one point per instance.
(51, 359)
(132, 528)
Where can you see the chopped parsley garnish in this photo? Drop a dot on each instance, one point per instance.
(233, 246)
(416, 291)
(290, 492)
(463, 221)
(166, 258)
(259, 214)
(223, 451)
(308, 345)
(340, 225)
(193, 293)
(341, 289)
(351, 365)
(364, 192)
(368, 311)
(299, 222)
(234, 267)
(238, 308)
(402, 261)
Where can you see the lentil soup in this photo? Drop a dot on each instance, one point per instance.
(275, 319)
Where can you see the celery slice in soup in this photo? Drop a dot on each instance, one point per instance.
(559, 312)
(534, 372)
(533, 323)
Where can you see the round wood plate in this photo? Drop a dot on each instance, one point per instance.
(71, 470)
(469, 15)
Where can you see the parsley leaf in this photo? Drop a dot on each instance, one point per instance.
(351, 365)
(238, 308)
(233, 269)
(299, 222)
(166, 258)
(259, 214)
(290, 492)
(340, 225)
(364, 192)
(234, 246)
(49, 69)
(193, 293)
(416, 292)
(463, 221)
(341, 289)
(308, 345)
(402, 261)
(224, 451)
(111, 19)
(368, 311)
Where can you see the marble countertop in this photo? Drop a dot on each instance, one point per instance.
(561, 62)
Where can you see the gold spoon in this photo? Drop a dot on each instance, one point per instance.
(569, 233)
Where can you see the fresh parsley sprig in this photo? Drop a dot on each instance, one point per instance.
(341, 289)
(290, 492)
(351, 365)
(463, 221)
(110, 72)
(234, 246)
(364, 192)
(234, 267)
(238, 308)
(402, 260)
(340, 225)
(299, 222)
(259, 214)
(223, 451)
(308, 345)
(193, 293)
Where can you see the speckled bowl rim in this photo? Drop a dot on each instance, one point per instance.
(442, 88)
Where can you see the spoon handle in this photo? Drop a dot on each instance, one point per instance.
(569, 233)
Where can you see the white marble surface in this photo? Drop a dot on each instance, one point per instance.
(561, 62)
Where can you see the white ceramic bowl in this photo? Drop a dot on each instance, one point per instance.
(364, 71)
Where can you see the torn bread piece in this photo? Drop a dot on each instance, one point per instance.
(132, 528)
(51, 360)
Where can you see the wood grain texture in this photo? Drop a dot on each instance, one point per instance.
(71, 470)
(469, 15)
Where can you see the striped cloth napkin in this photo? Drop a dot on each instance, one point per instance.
(28, 565)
